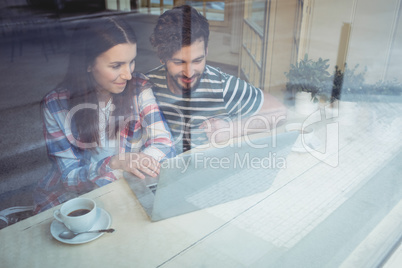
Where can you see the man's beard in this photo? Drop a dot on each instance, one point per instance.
(186, 88)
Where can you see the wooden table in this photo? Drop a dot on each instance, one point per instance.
(341, 210)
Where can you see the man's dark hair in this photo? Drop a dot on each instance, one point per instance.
(177, 28)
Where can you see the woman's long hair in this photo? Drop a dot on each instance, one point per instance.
(91, 39)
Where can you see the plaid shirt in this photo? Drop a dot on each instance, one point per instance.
(72, 172)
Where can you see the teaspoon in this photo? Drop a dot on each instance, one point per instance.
(71, 235)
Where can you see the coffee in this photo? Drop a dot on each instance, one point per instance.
(78, 212)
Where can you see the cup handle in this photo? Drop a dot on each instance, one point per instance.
(56, 215)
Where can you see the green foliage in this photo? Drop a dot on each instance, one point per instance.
(390, 87)
(350, 85)
(312, 76)
(309, 76)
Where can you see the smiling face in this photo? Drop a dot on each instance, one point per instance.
(186, 66)
(112, 69)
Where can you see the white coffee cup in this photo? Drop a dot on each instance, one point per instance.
(78, 214)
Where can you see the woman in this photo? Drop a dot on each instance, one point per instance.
(102, 118)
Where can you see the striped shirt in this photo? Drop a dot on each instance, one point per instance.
(217, 95)
(73, 171)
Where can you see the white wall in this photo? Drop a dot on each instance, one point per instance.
(375, 39)
(372, 35)
(327, 18)
(395, 60)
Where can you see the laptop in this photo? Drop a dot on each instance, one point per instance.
(206, 177)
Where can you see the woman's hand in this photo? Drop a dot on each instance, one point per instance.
(136, 163)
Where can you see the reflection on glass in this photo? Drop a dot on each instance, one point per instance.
(214, 11)
(257, 15)
(332, 211)
(165, 2)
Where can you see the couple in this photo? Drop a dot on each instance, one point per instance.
(104, 117)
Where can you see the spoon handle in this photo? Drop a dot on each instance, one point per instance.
(102, 231)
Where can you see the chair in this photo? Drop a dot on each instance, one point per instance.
(12, 215)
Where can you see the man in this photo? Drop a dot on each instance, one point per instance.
(201, 103)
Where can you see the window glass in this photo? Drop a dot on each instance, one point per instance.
(257, 14)
(335, 65)
(214, 11)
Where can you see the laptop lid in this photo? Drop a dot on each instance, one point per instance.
(207, 177)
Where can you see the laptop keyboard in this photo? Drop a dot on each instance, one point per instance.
(235, 185)
(152, 187)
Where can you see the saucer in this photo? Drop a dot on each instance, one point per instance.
(103, 222)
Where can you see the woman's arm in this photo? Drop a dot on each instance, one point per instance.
(159, 143)
(77, 172)
(150, 132)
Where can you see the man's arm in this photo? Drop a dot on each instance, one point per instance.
(272, 114)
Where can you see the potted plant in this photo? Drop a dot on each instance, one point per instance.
(307, 81)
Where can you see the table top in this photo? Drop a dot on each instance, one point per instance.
(338, 206)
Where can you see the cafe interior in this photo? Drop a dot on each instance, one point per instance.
(335, 201)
